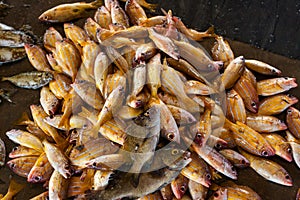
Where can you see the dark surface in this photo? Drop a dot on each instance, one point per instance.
(199, 15)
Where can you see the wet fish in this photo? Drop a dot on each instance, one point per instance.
(147, 5)
(197, 88)
(68, 12)
(41, 171)
(57, 159)
(222, 51)
(135, 12)
(280, 145)
(25, 139)
(265, 124)
(274, 86)
(48, 101)
(58, 186)
(13, 38)
(9, 54)
(268, 169)
(51, 36)
(91, 27)
(13, 189)
(261, 67)
(233, 71)
(101, 179)
(103, 17)
(276, 104)
(295, 144)
(2, 153)
(77, 35)
(107, 162)
(293, 120)
(153, 74)
(197, 190)
(235, 158)
(181, 116)
(22, 166)
(37, 57)
(22, 151)
(149, 182)
(153, 21)
(219, 194)
(30, 80)
(179, 186)
(236, 110)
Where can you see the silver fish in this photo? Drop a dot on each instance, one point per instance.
(12, 38)
(9, 54)
(30, 80)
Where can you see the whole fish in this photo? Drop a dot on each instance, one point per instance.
(58, 186)
(135, 12)
(103, 17)
(22, 151)
(179, 186)
(30, 80)
(197, 190)
(37, 57)
(233, 71)
(127, 112)
(48, 101)
(68, 12)
(77, 35)
(41, 171)
(9, 54)
(12, 38)
(91, 27)
(268, 169)
(222, 51)
(250, 140)
(118, 59)
(149, 182)
(236, 110)
(144, 52)
(50, 37)
(274, 86)
(57, 159)
(197, 88)
(25, 139)
(293, 120)
(265, 124)
(22, 166)
(153, 74)
(198, 171)
(118, 15)
(13, 189)
(276, 104)
(107, 162)
(235, 158)
(280, 145)
(139, 78)
(262, 68)
(60, 86)
(2, 153)
(295, 144)
(153, 21)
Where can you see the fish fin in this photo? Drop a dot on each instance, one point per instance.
(4, 78)
(211, 30)
(135, 179)
(24, 120)
(97, 3)
(14, 188)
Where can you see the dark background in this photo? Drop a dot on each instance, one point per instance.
(272, 25)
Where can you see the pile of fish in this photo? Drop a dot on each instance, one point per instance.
(131, 106)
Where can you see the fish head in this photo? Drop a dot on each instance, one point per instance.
(287, 152)
(149, 118)
(290, 99)
(220, 194)
(37, 176)
(291, 82)
(267, 151)
(293, 112)
(179, 186)
(275, 71)
(66, 170)
(253, 106)
(287, 179)
(47, 17)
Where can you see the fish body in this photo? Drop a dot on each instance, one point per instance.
(103, 17)
(2, 152)
(30, 80)
(153, 74)
(262, 68)
(13, 38)
(4, 27)
(48, 101)
(233, 71)
(11, 54)
(265, 124)
(197, 190)
(58, 186)
(50, 37)
(274, 86)
(101, 179)
(222, 51)
(22, 151)
(293, 121)
(37, 57)
(295, 145)
(268, 169)
(135, 12)
(91, 27)
(69, 11)
(22, 166)
(235, 158)
(41, 171)
(236, 110)
(118, 15)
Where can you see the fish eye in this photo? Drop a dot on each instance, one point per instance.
(216, 194)
(210, 66)
(171, 136)
(15, 148)
(253, 104)
(287, 177)
(289, 150)
(232, 168)
(175, 151)
(286, 78)
(37, 178)
(218, 146)
(199, 135)
(208, 176)
(12, 165)
(94, 164)
(67, 167)
(243, 161)
(289, 111)
(182, 188)
(264, 153)
(273, 71)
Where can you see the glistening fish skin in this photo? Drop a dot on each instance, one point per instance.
(293, 121)
(30, 80)
(12, 38)
(274, 86)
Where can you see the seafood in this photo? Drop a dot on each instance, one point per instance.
(235, 107)
(295, 147)
(22, 151)
(274, 86)
(13, 38)
(9, 54)
(22, 166)
(292, 120)
(233, 71)
(222, 51)
(265, 124)
(2, 153)
(48, 101)
(30, 80)
(37, 57)
(41, 171)
(103, 17)
(235, 158)
(262, 67)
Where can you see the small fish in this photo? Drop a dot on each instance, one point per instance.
(236, 110)
(50, 37)
(30, 80)
(106, 162)
(41, 171)
(76, 34)
(268, 169)
(89, 54)
(11, 54)
(58, 186)
(145, 4)
(233, 71)
(101, 179)
(138, 79)
(226, 135)
(197, 190)
(60, 86)
(68, 12)
(22, 151)
(42, 196)
(144, 52)
(235, 158)
(22, 166)
(77, 186)
(118, 15)
(153, 74)
(118, 59)
(2, 153)
(276, 104)
(103, 17)
(153, 21)
(280, 145)
(37, 57)
(13, 189)
(48, 101)
(222, 51)
(197, 88)
(13, 38)
(25, 139)
(293, 120)
(181, 116)
(164, 43)
(179, 186)
(57, 159)
(274, 86)
(295, 144)
(265, 124)
(135, 12)
(262, 68)
(91, 27)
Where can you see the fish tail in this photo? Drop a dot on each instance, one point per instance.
(14, 187)
(97, 3)
(4, 78)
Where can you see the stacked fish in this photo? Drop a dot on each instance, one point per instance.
(142, 111)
